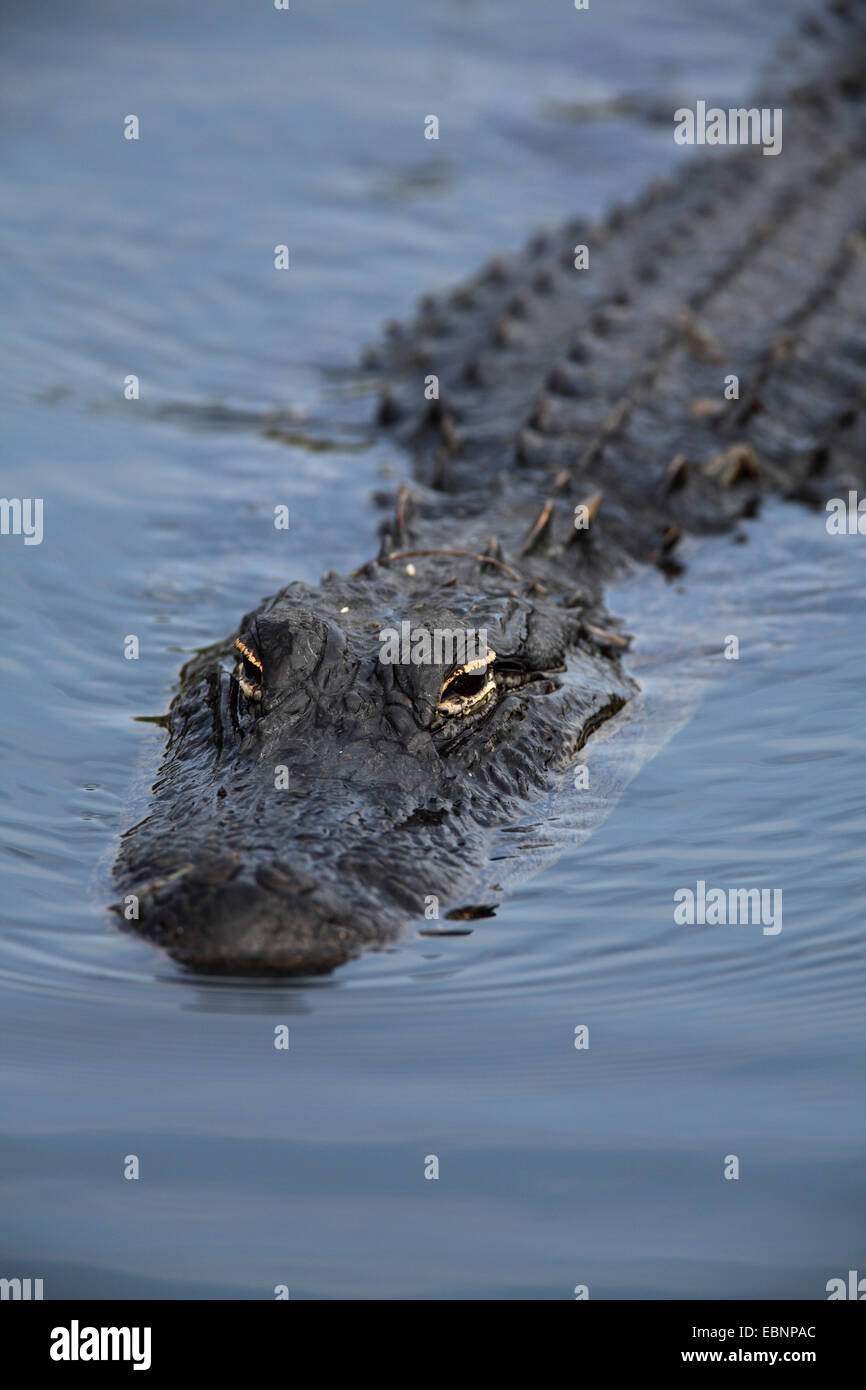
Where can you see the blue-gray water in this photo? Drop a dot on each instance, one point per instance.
(306, 1168)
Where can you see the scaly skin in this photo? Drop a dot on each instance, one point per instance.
(556, 385)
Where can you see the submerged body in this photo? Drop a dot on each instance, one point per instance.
(316, 793)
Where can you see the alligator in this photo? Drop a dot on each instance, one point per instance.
(567, 422)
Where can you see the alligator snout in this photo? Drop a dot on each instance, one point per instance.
(220, 918)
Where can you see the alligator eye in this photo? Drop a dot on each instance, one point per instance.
(249, 672)
(468, 687)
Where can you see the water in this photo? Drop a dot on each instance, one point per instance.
(261, 1167)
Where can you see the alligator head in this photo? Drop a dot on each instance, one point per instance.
(343, 760)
